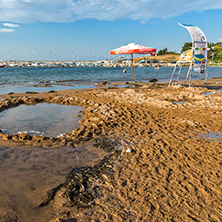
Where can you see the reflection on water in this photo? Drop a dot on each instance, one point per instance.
(27, 174)
(42, 119)
(179, 102)
(211, 93)
(22, 89)
(213, 136)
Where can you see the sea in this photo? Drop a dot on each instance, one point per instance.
(19, 80)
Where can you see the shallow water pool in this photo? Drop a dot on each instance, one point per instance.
(43, 119)
(28, 174)
(213, 136)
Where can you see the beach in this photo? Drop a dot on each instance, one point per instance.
(162, 159)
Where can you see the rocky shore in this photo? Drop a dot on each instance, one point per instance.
(164, 161)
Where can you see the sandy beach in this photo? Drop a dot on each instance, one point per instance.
(164, 158)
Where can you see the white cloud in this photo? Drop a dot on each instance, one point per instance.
(6, 30)
(27, 11)
(11, 25)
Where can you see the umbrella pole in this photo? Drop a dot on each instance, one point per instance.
(132, 71)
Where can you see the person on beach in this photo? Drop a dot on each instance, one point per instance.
(157, 67)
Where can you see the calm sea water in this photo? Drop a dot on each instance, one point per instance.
(15, 79)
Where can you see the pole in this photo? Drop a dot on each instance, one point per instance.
(206, 72)
(131, 70)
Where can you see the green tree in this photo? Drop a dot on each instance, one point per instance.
(218, 52)
(162, 52)
(186, 46)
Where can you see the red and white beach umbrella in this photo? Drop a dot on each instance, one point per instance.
(133, 48)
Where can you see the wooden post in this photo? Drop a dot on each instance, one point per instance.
(131, 70)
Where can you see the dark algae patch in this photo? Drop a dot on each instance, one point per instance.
(80, 187)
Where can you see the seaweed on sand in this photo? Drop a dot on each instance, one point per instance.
(80, 186)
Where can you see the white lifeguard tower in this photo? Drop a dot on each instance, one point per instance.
(195, 58)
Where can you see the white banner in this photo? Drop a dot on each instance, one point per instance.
(199, 44)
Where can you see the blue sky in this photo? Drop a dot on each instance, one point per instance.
(89, 29)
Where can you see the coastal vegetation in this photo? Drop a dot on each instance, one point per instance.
(216, 52)
(165, 51)
(163, 55)
(166, 58)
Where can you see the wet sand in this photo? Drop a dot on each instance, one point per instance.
(28, 174)
(166, 170)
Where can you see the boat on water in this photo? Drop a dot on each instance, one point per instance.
(1, 64)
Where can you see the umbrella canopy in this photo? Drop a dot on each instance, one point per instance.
(133, 48)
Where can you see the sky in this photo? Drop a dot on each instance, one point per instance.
(90, 29)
